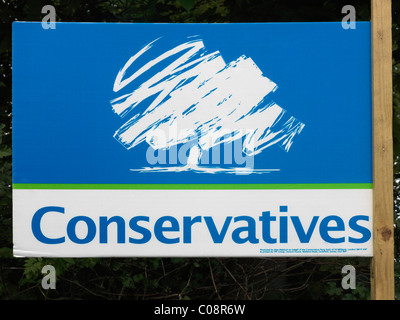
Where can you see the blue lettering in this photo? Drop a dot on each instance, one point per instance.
(37, 231)
(266, 219)
(71, 229)
(133, 224)
(283, 229)
(216, 236)
(324, 229)
(366, 234)
(187, 228)
(304, 236)
(104, 223)
(159, 229)
(283, 225)
(331, 228)
(250, 229)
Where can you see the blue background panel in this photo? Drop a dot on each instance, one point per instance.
(63, 123)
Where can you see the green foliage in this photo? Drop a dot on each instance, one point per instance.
(178, 278)
(187, 4)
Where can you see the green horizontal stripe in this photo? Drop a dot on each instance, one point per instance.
(192, 186)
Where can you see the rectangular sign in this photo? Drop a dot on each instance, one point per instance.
(251, 139)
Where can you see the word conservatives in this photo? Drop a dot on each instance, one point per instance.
(282, 227)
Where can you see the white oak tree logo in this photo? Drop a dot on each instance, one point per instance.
(198, 102)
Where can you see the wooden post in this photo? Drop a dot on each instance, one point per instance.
(382, 265)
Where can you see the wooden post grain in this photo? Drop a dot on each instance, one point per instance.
(382, 265)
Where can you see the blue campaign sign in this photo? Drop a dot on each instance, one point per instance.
(192, 139)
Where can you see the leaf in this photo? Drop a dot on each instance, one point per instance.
(33, 268)
(138, 277)
(69, 260)
(177, 260)
(333, 289)
(187, 4)
(155, 263)
(349, 296)
(127, 282)
(5, 152)
(6, 252)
